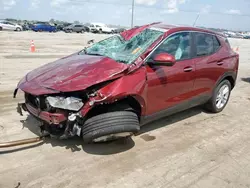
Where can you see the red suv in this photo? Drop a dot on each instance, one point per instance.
(111, 88)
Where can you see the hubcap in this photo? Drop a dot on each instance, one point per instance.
(112, 136)
(222, 96)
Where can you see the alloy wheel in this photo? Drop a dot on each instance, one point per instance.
(222, 96)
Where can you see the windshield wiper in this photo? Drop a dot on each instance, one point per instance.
(122, 61)
(96, 54)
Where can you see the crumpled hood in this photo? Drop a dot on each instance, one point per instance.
(72, 73)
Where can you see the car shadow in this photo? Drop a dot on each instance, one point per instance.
(246, 79)
(165, 121)
(76, 144)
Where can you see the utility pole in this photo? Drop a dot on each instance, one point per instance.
(132, 17)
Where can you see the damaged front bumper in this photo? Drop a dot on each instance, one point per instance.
(58, 125)
(62, 115)
(50, 118)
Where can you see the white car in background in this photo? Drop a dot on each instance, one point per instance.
(6, 25)
(100, 28)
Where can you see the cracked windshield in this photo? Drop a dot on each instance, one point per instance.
(124, 51)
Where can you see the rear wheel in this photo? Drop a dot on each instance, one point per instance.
(220, 97)
(110, 126)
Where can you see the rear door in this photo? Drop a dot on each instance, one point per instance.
(209, 62)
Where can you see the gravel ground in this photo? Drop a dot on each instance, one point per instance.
(190, 149)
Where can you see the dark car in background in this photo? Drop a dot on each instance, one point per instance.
(247, 37)
(78, 28)
(27, 26)
(60, 27)
(119, 30)
(43, 27)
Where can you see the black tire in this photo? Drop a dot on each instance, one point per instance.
(211, 104)
(18, 29)
(110, 123)
(83, 31)
(1, 28)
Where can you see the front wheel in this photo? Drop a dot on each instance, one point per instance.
(220, 97)
(110, 126)
(18, 29)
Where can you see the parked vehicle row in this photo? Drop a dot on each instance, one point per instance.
(231, 34)
(67, 27)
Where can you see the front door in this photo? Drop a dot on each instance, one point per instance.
(171, 86)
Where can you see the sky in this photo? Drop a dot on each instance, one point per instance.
(229, 14)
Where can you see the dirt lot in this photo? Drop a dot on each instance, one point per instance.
(190, 149)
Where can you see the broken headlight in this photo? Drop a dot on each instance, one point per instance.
(67, 103)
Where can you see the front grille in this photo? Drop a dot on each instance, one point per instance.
(32, 100)
(36, 101)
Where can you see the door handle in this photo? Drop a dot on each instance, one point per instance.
(188, 69)
(220, 63)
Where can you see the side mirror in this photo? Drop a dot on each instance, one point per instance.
(163, 59)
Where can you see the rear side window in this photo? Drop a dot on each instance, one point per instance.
(227, 42)
(216, 43)
(206, 44)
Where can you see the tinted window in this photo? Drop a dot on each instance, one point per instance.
(178, 45)
(78, 26)
(206, 44)
(216, 43)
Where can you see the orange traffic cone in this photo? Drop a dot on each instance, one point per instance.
(32, 46)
